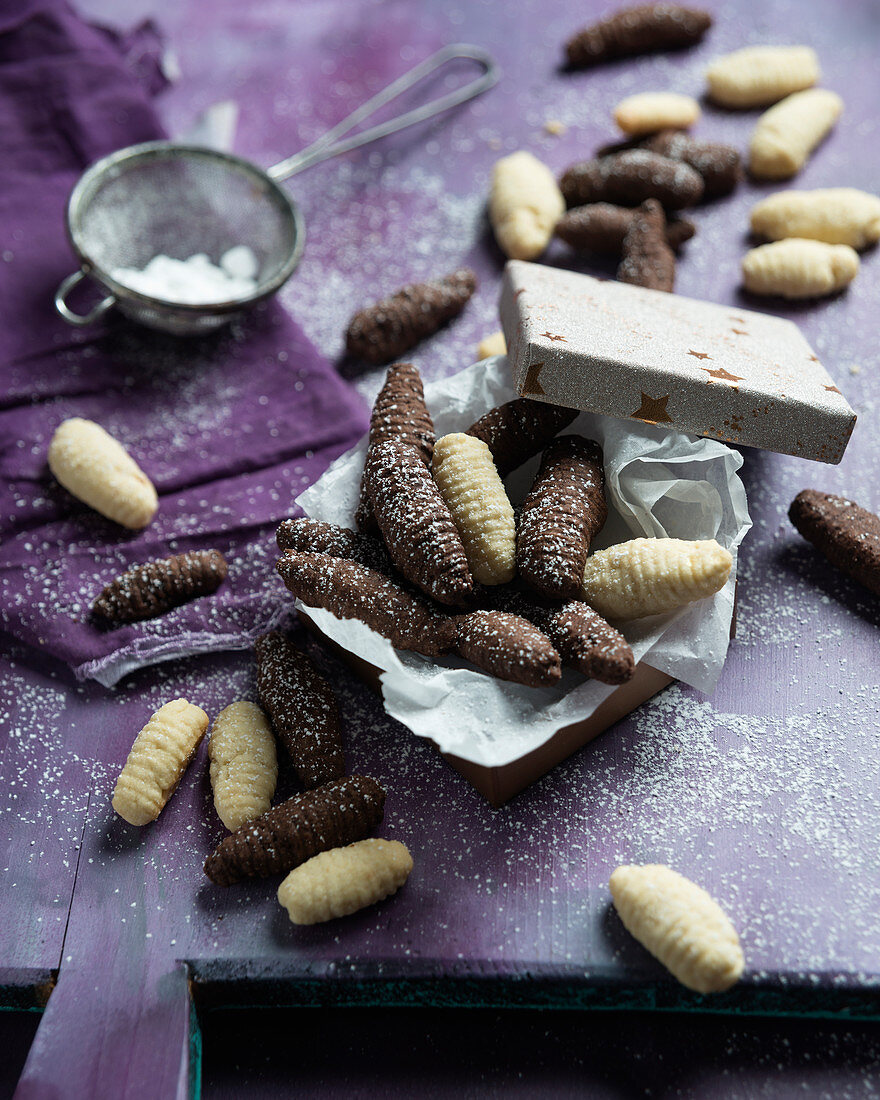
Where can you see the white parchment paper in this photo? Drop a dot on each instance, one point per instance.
(659, 484)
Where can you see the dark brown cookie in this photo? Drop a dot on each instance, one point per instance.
(352, 591)
(519, 429)
(848, 536)
(600, 227)
(631, 177)
(389, 328)
(719, 165)
(313, 536)
(561, 515)
(508, 647)
(647, 258)
(155, 587)
(416, 524)
(332, 816)
(302, 707)
(647, 28)
(399, 412)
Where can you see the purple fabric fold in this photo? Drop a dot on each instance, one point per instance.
(229, 428)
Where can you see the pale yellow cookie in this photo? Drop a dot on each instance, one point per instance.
(525, 204)
(648, 112)
(786, 134)
(680, 924)
(653, 576)
(492, 345)
(343, 880)
(475, 495)
(98, 470)
(760, 75)
(797, 268)
(158, 758)
(835, 215)
(244, 765)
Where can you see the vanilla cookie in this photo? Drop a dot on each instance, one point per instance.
(477, 500)
(159, 756)
(97, 470)
(757, 76)
(653, 576)
(244, 765)
(524, 205)
(835, 215)
(648, 112)
(797, 268)
(680, 924)
(492, 345)
(787, 134)
(343, 880)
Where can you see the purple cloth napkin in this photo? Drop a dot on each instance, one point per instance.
(230, 428)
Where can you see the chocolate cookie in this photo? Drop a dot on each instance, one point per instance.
(335, 814)
(646, 28)
(848, 536)
(155, 587)
(719, 165)
(519, 429)
(601, 226)
(647, 258)
(631, 177)
(313, 536)
(508, 647)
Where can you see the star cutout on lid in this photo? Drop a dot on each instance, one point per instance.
(723, 374)
(521, 290)
(531, 384)
(739, 331)
(699, 355)
(833, 389)
(550, 336)
(652, 409)
(814, 359)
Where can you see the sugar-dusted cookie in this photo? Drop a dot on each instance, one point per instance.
(97, 470)
(757, 76)
(647, 260)
(519, 429)
(585, 641)
(719, 165)
(389, 328)
(477, 500)
(151, 589)
(159, 756)
(629, 178)
(652, 576)
(303, 709)
(343, 880)
(835, 215)
(313, 536)
(848, 536)
(244, 767)
(798, 268)
(524, 205)
(680, 924)
(338, 813)
(561, 515)
(494, 344)
(601, 227)
(787, 134)
(645, 28)
(416, 524)
(648, 112)
(507, 646)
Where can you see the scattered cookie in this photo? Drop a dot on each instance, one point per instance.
(848, 536)
(561, 515)
(680, 924)
(159, 756)
(601, 226)
(151, 589)
(798, 268)
(312, 536)
(760, 75)
(719, 165)
(343, 880)
(416, 524)
(244, 766)
(389, 328)
(96, 469)
(787, 134)
(631, 177)
(338, 813)
(524, 205)
(647, 259)
(477, 500)
(835, 215)
(492, 345)
(508, 647)
(648, 112)
(517, 430)
(653, 576)
(628, 32)
(302, 707)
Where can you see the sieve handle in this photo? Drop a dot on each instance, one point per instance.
(80, 319)
(327, 146)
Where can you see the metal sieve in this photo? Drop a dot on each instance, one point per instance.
(173, 199)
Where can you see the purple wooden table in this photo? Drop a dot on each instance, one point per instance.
(766, 793)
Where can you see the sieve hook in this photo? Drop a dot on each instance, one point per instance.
(80, 319)
(324, 147)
